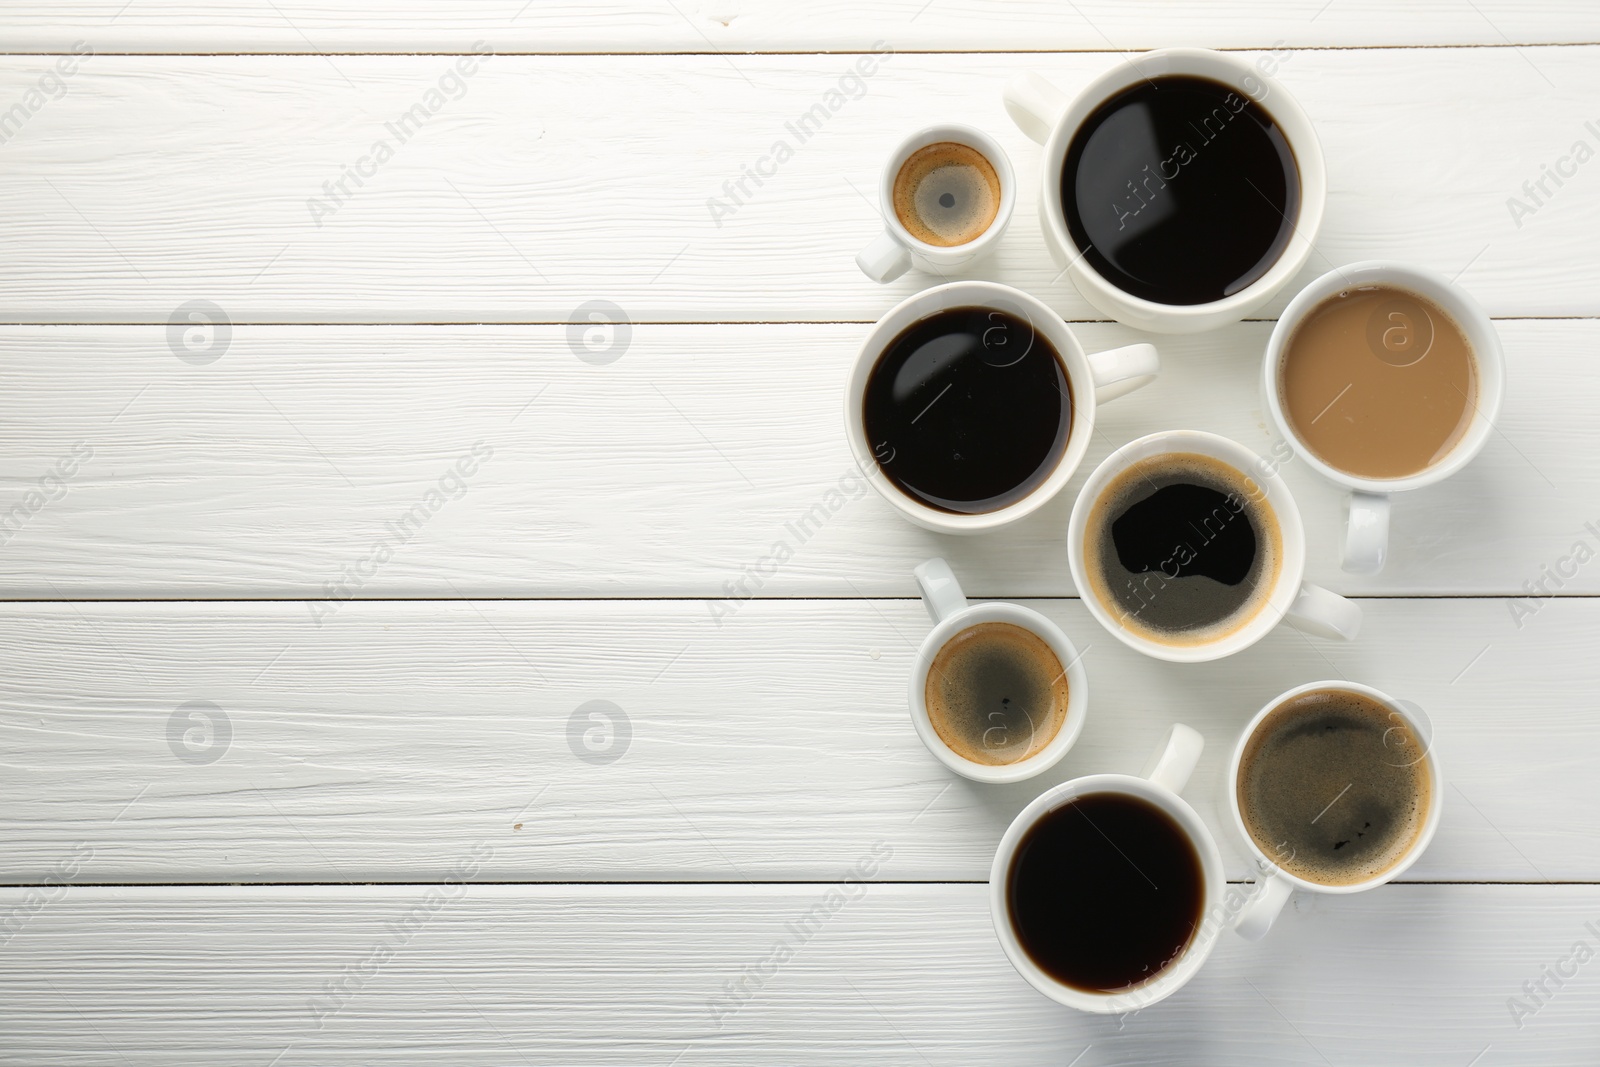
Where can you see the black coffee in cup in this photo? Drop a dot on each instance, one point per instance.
(1180, 190)
(968, 410)
(1105, 892)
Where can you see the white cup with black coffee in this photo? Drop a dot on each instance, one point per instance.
(946, 195)
(975, 403)
(1181, 189)
(1188, 546)
(1107, 891)
(998, 692)
(1383, 378)
(1335, 787)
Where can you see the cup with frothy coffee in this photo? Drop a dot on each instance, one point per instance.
(998, 693)
(1335, 787)
(947, 194)
(1383, 378)
(1188, 546)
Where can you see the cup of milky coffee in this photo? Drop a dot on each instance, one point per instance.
(1382, 378)
(1335, 788)
(975, 403)
(1181, 189)
(1187, 546)
(946, 195)
(997, 691)
(1107, 891)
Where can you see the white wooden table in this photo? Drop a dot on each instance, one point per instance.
(287, 778)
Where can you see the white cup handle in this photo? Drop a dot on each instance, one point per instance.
(1174, 760)
(1258, 916)
(1366, 532)
(1324, 613)
(1119, 371)
(885, 259)
(941, 593)
(1034, 105)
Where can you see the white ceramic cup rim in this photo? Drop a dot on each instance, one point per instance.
(930, 301)
(973, 138)
(1175, 975)
(1265, 862)
(1060, 644)
(1291, 571)
(1434, 288)
(1232, 71)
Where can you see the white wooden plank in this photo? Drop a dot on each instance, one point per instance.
(675, 470)
(900, 974)
(547, 182)
(766, 25)
(774, 747)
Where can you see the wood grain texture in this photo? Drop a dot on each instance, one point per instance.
(690, 465)
(768, 25)
(503, 975)
(546, 182)
(776, 746)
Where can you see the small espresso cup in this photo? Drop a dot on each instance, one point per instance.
(897, 249)
(1283, 595)
(1399, 330)
(1092, 379)
(952, 617)
(1053, 119)
(1158, 784)
(1402, 739)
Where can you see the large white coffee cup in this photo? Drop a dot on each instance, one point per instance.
(1094, 379)
(1366, 536)
(1159, 783)
(1307, 607)
(1050, 117)
(951, 613)
(1275, 885)
(895, 250)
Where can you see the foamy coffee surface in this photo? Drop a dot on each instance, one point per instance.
(1182, 548)
(996, 693)
(1334, 787)
(946, 194)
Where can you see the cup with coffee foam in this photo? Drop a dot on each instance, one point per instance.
(946, 195)
(998, 691)
(1334, 787)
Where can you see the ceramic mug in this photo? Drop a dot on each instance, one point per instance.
(1275, 885)
(1050, 117)
(1093, 379)
(896, 251)
(951, 613)
(1365, 544)
(1307, 607)
(1163, 777)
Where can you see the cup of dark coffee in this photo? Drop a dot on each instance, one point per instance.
(1335, 788)
(1187, 546)
(946, 194)
(998, 692)
(976, 403)
(1107, 891)
(1383, 378)
(1181, 189)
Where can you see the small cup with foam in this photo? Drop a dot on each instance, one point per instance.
(946, 195)
(1003, 742)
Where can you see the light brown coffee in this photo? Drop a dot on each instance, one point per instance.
(1378, 382)
(946, 194)
(996, 693)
